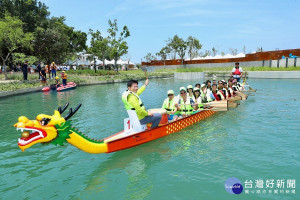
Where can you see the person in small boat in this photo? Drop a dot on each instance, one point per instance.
(132, 101)
(198, 98)
(64, 77)
(169, 104)
(190, 91)
(56, 85)
(237, 72)
(185, 105)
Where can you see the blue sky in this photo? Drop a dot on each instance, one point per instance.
(222, 24)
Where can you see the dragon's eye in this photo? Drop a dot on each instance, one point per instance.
(45, 121)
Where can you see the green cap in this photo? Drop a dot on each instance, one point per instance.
(196, 89)
(182, 89)
(170, 92)
(203, 85)
(189, 87)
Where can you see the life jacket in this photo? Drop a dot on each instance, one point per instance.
(239, 86)
(192, 97)
(187, 108)
(169, 105)
(207, 95)
(237, 71)
(225, 91)
(217, 96)
(231, 91)
(235, 88)
(222, 95)
(64, 76)
(199, 102)
(127, 105)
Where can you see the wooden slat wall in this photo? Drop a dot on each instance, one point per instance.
(259, 56)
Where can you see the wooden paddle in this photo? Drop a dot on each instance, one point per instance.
(245, 82)
(235, 98)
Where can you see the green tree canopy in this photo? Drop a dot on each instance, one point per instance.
(193, 45)
(12, 38)
(118, 44)
(31, 12)
(99, 46)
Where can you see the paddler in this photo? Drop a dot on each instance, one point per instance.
(169, 104)
(203, 93)
(237, 72)
(230, 89)
(221, 90)
(225, 89)
(185, 105)
(235, 86)
(190, 91)
(206, 94)
(208, 85)
(132, 101)
(198, 98)
(218, 96)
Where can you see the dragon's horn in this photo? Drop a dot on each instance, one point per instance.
(64, 108)
(71, 112)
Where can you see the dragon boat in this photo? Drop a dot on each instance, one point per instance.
(58, 130)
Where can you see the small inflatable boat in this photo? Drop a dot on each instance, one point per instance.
(60, 88)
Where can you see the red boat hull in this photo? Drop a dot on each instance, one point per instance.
(149, 135)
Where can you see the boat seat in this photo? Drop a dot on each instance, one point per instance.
(132, 124)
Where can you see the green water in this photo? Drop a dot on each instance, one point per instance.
(257, 140)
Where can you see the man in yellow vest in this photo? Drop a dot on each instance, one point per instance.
(132, 101)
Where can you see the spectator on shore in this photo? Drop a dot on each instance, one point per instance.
(39, 68)
(48, 70)
(53, 70)
(25, 70)
(43, 76)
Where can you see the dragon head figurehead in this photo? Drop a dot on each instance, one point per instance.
(44, 129)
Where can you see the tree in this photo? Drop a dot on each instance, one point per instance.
(214, 51)
(182, 46)
(222, 53)
(119, 47)
(233, 51)
(163, 54)
(207, 53)
(259, 49)
(31, 12)
(21, 58)
(99, 45)
(244, 49)
(57, 42)
(149, 57)
(12, 38)
(193, 45)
